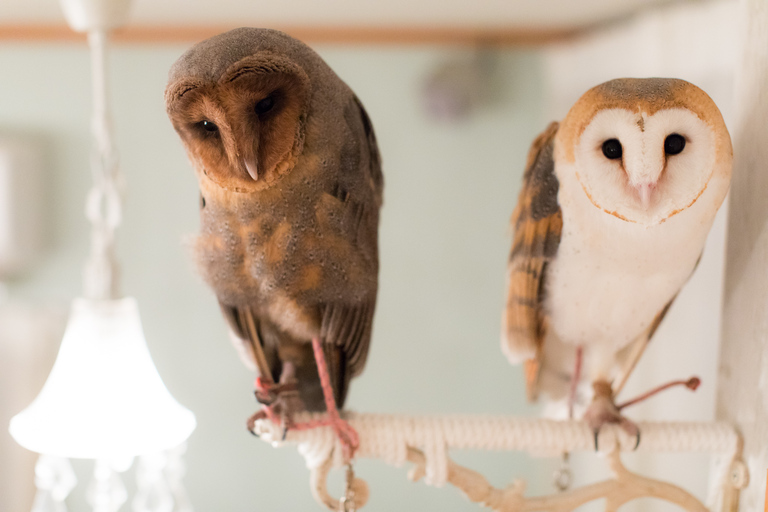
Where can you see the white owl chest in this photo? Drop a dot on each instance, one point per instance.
(610, 277)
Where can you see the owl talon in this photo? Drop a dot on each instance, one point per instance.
(603, 410)
(251, 422)
(596, 433)
(631, 429)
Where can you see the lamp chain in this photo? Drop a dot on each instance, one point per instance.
(104, 201)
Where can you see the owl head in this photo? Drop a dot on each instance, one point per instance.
(240, 103)
(644, 150)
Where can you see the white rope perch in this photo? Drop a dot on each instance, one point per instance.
(425, 441)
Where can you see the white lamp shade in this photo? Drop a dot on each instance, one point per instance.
(88, 15)
(104, 397)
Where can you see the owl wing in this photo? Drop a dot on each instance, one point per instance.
(346, 328)
(373, 168)
(537, 222)
(244, 331)
(346, 331)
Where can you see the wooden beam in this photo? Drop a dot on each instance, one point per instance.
(169, 34)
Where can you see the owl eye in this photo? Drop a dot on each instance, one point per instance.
(612, 149)
(208, 126)
(674, 144)
(265, 105)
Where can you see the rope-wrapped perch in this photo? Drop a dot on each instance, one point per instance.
(393, 438)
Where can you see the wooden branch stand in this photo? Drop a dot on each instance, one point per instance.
(425, 441)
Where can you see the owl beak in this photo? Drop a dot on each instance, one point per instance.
(645, 192)
(252, 168)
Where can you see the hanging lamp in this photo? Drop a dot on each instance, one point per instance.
(104, 399)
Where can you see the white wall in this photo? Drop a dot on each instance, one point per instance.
(695, 41)
(743, 395)
(548, 14)
(444, 242)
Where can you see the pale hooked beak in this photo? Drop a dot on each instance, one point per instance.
(252, 169)
(645, 191)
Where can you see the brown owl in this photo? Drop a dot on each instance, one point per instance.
(291, 187)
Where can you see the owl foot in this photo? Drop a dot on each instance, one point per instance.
(344, 431)
(603, 410)
(280, 412)
(250, 423)
(267, 393)
(279, 404)
(273, 412)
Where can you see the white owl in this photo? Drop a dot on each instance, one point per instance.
(616, 205)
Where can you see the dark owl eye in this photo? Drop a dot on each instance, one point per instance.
(264, 105)
(612, 149)
(208, 126)
(674, 144)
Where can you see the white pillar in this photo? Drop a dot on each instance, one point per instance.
(743, 387)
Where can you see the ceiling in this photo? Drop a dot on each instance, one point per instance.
(474, 14)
